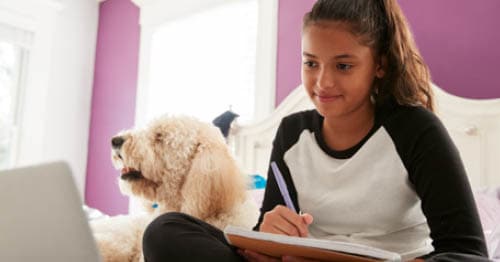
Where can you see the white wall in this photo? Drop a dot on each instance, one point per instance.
(71, 82)
(56, 113)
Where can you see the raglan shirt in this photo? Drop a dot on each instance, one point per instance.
(403, 188)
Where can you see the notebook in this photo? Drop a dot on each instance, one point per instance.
(41, 216)
(325, 250)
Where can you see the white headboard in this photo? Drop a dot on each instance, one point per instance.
(474, 126)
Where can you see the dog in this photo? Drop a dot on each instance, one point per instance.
(176, 163)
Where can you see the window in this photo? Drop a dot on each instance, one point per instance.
(204, 64)
(202, 58)
(11, 64)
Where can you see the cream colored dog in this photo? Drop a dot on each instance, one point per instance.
(177, 164)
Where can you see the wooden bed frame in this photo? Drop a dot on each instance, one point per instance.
(474, 126)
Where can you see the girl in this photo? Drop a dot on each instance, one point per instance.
(369, 165)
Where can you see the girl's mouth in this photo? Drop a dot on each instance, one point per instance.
(328, 98)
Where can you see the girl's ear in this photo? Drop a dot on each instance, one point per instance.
(381, 67)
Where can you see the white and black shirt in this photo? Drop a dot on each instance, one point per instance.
(402, 188)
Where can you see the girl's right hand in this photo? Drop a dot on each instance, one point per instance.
(282, 220)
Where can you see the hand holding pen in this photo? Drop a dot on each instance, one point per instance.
(285, 220)
(281, 220)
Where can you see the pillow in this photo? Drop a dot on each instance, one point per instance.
(488, 206)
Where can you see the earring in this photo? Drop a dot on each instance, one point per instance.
(374, 94)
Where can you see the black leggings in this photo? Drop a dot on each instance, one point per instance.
(179, 237)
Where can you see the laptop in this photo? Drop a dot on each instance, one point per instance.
(41, 216)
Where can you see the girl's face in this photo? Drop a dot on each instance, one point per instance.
(337, 70)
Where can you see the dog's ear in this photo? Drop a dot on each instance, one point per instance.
(214, 183)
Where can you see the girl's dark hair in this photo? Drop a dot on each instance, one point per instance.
(382, 25)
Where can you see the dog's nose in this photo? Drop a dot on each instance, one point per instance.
(117, 141)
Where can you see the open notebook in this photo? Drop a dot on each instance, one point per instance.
(42, 217)
(325, 250)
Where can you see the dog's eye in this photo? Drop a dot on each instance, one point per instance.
(158, 137)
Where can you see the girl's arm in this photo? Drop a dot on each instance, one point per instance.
(439, 178)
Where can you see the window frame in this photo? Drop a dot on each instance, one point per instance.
(35, 18)
(18, 106)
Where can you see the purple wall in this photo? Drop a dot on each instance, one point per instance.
(457, 38)
(288, 62)
(113, 100)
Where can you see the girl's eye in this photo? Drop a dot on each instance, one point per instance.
(344, 67)
(310, 64)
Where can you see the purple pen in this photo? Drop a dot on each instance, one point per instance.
(282, 186)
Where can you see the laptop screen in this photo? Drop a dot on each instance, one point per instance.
(42, 217)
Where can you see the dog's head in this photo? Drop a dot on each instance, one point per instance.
(181, 163)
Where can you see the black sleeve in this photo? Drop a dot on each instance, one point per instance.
(439, 179)
(272, 194)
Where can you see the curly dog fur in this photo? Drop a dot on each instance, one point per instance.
(183, 165)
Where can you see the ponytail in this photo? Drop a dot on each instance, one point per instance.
(407, 76)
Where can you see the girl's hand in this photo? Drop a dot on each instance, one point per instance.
(282, 220)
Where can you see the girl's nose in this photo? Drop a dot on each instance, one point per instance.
(325, 79)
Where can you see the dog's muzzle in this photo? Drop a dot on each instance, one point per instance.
(130, 174)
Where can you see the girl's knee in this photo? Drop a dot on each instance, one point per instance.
(165, 226)
(162, 237)
(180, 237)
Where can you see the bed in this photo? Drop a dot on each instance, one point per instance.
(474, 126)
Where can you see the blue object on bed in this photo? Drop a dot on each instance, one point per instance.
(259, 181)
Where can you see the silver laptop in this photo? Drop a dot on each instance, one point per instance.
(41, 216)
